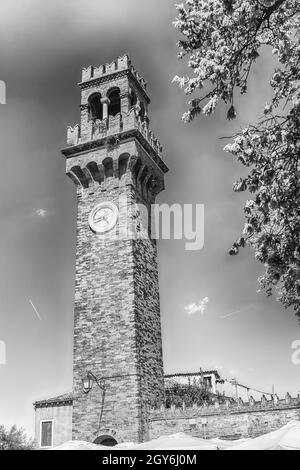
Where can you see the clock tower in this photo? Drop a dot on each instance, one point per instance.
(116, 164)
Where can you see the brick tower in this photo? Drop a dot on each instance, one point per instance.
(116, 164)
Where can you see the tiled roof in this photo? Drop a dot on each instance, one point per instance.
(66, 398)
(191, 374)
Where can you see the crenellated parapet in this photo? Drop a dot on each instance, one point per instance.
(73, 134)
(121, 123)
(122, 127)
(122, 64)
(230, 420)
(228, 406)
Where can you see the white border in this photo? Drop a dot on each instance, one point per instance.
(113, 222)
(52, 429)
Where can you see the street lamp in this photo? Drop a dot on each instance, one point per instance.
(89, 379)
(87, 384)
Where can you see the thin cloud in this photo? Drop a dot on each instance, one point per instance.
(236, 312)
(41, 212)
(35, 310)
(200, 307)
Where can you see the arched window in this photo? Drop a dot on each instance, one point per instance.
(114, 106)
(95, 107)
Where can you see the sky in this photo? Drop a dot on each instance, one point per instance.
(212, 314)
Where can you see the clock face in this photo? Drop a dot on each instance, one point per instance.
(103, 217)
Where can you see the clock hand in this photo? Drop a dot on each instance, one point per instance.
(97, 219)
(101, 218)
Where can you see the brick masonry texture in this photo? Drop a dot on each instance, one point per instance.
(117, 330)
(116, 323)
(234, 422)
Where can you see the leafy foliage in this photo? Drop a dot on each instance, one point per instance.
(222, 39)
(14, 439)
(188, 394)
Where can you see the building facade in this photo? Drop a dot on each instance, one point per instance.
(210, 379)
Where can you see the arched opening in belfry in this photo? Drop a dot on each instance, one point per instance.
(114, 106)
(106, 440)
(95, 107)
(132, 99)
(108, 167)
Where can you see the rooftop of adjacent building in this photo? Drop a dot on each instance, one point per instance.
(194, 374)
(64, 399)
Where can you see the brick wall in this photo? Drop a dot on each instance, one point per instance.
(117, 331)
(224, 422)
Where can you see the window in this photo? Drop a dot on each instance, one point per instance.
(95, 107)
(115, 102)
(207, 382)
(46, 433)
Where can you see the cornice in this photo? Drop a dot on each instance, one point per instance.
(74, 150)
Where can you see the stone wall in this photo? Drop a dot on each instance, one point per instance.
(230, 421)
